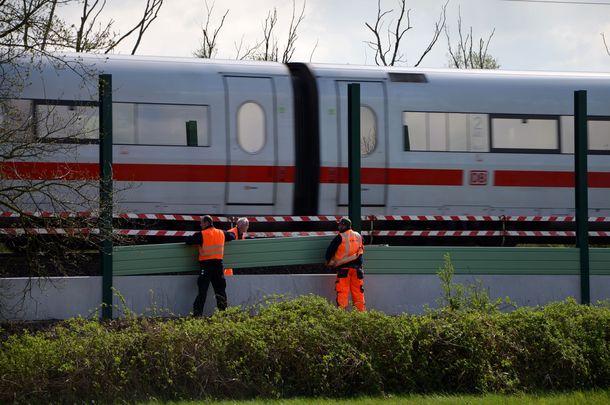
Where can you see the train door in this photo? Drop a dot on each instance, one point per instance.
(373, 141)
(252, 141)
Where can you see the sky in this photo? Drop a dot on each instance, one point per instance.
(529, 34)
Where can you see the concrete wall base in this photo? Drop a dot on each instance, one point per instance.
(66, 297)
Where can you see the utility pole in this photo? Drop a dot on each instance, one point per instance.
(353, 154)
(105, 204)
(581, 191)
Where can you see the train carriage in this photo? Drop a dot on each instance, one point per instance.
(196, 136)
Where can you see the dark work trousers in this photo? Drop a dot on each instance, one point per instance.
(211, 272)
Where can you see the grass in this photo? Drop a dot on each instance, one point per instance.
(572, 398)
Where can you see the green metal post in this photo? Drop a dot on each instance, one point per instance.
(105, 205)
(581, 190)
(353, 154)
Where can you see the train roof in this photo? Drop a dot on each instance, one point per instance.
(482, 91)
(155, 78)
(326, 70)
(322, 69)
(186, 63)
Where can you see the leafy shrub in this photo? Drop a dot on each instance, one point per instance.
(457, 297)
(307, 347)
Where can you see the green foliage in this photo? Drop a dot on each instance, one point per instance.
(306, 347)
(459, 297)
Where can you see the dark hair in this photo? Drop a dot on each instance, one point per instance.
(346, 221)
(208, 219)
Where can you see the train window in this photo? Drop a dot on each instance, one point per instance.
(417, 124)
(429, 131)
(437, 131)
(368, 131)
(67, 122)
(567, 134)
(158, 124)
(124, 123)
(599, 135)
(458, 132)
(479, 132)
(598, 130)
(251, 127)
(521, 133)
(16, 118)
(162, 124)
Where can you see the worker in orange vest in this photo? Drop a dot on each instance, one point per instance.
(239, 230)
(345, 255)
(211, 243)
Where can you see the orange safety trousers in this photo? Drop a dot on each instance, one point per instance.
(350, 279)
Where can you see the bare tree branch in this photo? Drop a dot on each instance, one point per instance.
(438, 28)
(47, 130)
(395, 35)
(81, 35)
(151, 11)
(313, 50)
(249, 51)
(292, 32)
(399, 32)
(49, 25)
(464, 56)
(377, 46)
(605, 44)
(16, 17)
(269, 42)
(209, 45)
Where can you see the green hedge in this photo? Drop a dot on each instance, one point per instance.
(306, 347)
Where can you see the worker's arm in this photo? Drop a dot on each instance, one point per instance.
(229, 236)
(332, 248)
(195, 239)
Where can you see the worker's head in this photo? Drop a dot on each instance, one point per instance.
(344, 224)
(242, 224)
(206, 221)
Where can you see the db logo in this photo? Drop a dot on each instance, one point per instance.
(478, 177)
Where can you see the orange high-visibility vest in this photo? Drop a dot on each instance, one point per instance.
(350, 248)
(229, 272)
(236, 233)
(213, 244)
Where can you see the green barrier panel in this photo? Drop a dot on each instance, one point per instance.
(178, 258)
(599, 261)
(471, 260)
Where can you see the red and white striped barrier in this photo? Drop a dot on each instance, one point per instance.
(432, 218)
(288, 234)
(410, 233)
(49, 231)
(144, 232)
(318, 218)
(434, 233)
(47, 214)
(89, 214)
(601, 234)
(165, 217)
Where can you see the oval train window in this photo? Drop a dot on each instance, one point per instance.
(368, 130)
(251, 127)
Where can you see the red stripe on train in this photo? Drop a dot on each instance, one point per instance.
(48, 171)
(530, 178)
(286, 174)
(147, 172)
(417, 177)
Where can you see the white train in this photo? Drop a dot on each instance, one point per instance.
(271, 139)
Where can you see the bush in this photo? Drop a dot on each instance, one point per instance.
(307, 347)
